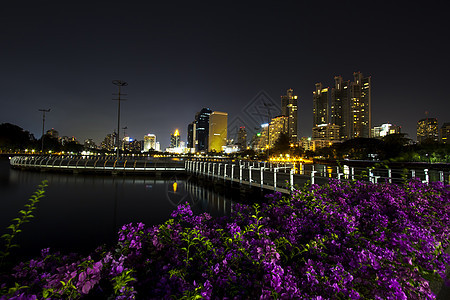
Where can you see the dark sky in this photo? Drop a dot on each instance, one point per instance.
(180, 56)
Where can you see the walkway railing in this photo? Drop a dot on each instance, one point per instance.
(284, 177)
(101, 164)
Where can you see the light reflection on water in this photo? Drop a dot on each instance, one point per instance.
(80, 212)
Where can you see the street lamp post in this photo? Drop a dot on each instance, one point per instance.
(119, 83)
(43, 125)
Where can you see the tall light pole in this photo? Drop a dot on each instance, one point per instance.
(43, 125)
(119, 83)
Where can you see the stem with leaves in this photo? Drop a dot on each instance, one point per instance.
(25, 216)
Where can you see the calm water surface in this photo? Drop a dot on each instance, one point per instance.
(80, 212)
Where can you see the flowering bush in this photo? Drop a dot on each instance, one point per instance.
(341, 241)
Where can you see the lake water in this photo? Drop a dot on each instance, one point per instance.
(80, 212)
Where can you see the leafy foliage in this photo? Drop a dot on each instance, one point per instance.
(25, 217)
(345, 240)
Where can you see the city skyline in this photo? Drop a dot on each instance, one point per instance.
(180, 57)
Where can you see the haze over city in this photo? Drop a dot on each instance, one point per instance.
(179, 57)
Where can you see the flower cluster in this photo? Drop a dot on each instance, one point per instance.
(343, 240)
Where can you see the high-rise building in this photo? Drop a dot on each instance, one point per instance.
(427, 130)
(360, 106)
(202, 129)
(191, 135)
(242, 138)
(277, 126)
(218, 122)
(289, 109)
(320, 105)
(175, 139)
(445, 133)
(340, 106)
(149, 142)
(350, 106)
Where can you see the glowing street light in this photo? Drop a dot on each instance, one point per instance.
(119, 83)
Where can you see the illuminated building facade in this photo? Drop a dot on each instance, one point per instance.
(360, 107)
(175, 139)
(329, 132)
(350, 111)
(384, 130)
(320, 105)
(427, 130)
(218, 123)
(445, 133)
(278, 125)
(149, 142)
(289, 109)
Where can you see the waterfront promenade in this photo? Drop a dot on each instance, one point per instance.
(270, 176)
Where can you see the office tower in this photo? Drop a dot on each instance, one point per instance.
(175, 139)
(360, 106)
(202, 129)
(445, 133)
(320, 105)
(149, 142)
(218, 122)
(242, 138)
(340, 106)
(289, 109)
(351, 106)
(427, 130)
(277, 126)
(191, 135)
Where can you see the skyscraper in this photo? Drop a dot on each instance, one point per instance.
(320, 105)
(242, 138)
(191, 135)
(149, 142)
(351, 106)
(427, 129)
(340, 106)
(175, 139)
(202, 129)
(360, 106)
(218, 122)
(289, 109)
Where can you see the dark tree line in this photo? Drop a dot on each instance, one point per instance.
(15, 138)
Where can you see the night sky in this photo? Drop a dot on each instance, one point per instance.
(180, 56)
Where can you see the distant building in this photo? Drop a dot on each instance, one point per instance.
(427, 129)
(89, 144)
(320, 105)
(384, 130)
(202, 129)
(350, 106)
(191, 135)
(175, 139)
(149, 142)
(218, 122)
(277, 126)
(53, 133)
(445, 133)
(109, 142)
(289, 109)
(326, 132)
(242, 138)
